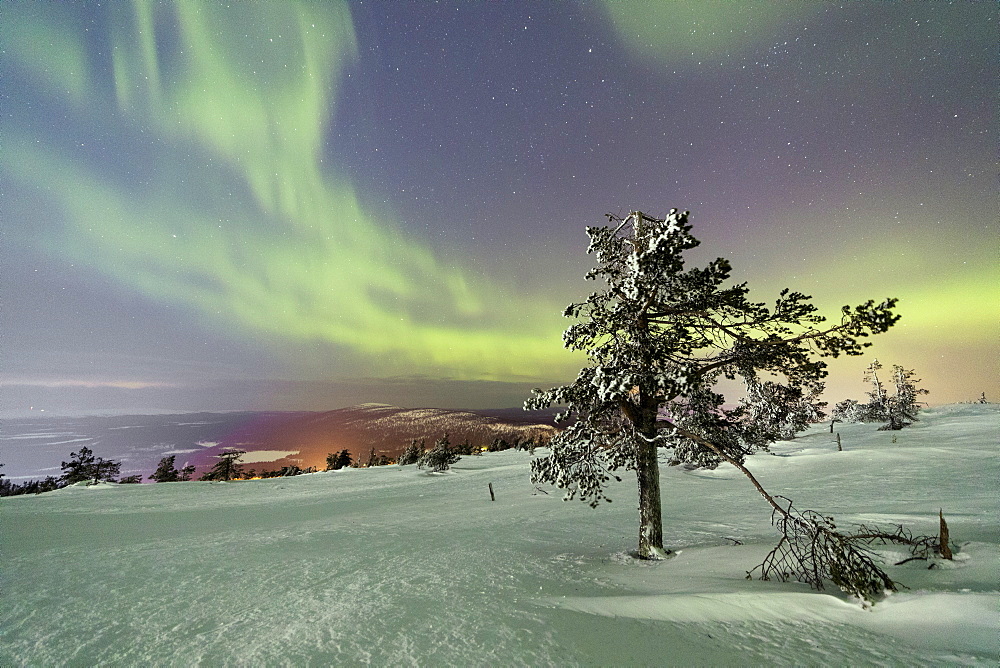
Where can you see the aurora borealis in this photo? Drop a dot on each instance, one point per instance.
(290, 205)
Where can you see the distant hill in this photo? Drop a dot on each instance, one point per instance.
(305, 439)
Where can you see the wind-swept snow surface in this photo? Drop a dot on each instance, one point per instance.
(392, 565)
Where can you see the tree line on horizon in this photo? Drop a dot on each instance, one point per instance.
(775, 414)
(85, 466)
(780, 414)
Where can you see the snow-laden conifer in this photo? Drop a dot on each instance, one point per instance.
(338, 460)
(774, 411)
(412, 453)
(440, 457)
(878, 407)
(902, 407)
(228, 467)
(659, 338)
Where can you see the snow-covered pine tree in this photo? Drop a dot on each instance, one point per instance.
(498, 445)
(902, 408)
(772, 411)
(344, 459)
(80, 467)
(659, 337)
(878, 407)
(440, 457)
(227, 468)
(106, 470)
(850, 410)
(338, 460)
(165, 470)
(898, 410)
(412, 453)
(465, 447)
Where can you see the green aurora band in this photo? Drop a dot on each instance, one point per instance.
(228, 207)
(681, 33)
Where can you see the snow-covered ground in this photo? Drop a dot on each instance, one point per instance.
(394, 566)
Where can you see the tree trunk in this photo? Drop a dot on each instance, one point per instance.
(650, 517)
(648, 475)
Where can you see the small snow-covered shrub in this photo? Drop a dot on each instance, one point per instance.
(338, 460)
(851, 410)
(412, 453)
(440, 457)
(466, 447)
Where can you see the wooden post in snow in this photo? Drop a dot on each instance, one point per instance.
(943, 539)
(492, 496)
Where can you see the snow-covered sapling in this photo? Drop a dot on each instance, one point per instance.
(440, 457)
(338, 460)
(412, 453)
(902, 408)
(878, 407)
(377, 459)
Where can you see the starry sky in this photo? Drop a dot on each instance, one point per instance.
(307, 205)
